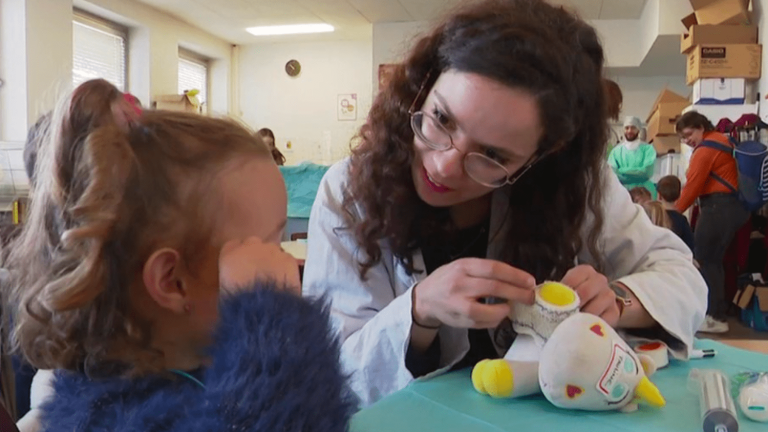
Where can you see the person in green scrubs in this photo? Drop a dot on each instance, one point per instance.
(632, 160)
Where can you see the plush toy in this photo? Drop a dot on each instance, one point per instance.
(584, 364)
(192, 98)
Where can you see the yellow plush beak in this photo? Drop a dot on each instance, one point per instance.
(647, 392)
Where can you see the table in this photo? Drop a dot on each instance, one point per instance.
(449, 404)
(755, 345)
(298, 249)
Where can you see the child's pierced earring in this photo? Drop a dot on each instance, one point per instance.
(188, 308)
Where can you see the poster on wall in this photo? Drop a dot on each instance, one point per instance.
(346, 107)
(385, 71)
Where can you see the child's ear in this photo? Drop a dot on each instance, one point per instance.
(162, 279)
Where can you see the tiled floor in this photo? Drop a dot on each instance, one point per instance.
(741, 336)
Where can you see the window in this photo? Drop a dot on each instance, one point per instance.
(193, 74)
(99, 50)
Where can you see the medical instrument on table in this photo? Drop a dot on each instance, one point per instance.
(751, 389)
(718, 412)
(702, 354)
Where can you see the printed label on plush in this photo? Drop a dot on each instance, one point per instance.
(610, 383)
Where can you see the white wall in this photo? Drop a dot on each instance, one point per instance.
(391, 43)
(35, 61)
(13, 91)
(36, 66)
(154, 41)
(640, 92)
(619, 39)
(302, 110)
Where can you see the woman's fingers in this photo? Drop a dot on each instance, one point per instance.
(480, 315)
(481, 289)
(497, 270)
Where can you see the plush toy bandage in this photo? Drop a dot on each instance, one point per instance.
(554, 302)
(657, 351)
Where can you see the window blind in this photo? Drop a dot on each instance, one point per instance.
(193, 74)
(98, 52)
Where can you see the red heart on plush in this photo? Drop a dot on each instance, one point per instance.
(598, 330)
(573, 391)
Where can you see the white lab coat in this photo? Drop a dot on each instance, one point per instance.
(373, 317)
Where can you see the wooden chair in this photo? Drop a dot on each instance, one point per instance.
(298, 236)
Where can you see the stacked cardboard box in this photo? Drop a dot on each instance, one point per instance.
(753, 302)
(661, 121)
(723, 57)
(175, 103)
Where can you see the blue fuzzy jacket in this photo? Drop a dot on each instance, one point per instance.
(275, 367)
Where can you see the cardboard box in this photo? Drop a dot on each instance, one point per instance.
(720, 11)
(724, 61)
(666, 110)
(665, 144)
(175, 103)
(716, 34)
(743, 297)
(761, 294)
(719, 91)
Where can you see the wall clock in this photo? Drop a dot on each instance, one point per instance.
(293, 68)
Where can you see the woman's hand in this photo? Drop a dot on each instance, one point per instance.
(453, 295)
(597, 297)
(242, 262)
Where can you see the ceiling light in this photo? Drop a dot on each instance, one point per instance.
(290, 29)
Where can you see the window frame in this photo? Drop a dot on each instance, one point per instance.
(193, 57)
(86, 18)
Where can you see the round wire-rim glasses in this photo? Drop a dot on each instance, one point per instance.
(479, 167)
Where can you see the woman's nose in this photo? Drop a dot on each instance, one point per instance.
(448, 163)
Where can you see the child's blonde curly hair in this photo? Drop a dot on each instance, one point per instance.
(110, 188)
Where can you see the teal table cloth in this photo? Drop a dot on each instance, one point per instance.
(448, 403)
(301, 183)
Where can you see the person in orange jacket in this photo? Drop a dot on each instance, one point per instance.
(712, 178)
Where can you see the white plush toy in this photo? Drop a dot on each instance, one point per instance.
(584, 364)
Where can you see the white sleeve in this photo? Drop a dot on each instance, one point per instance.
(373, 322)
(655, 264)
(40, 390)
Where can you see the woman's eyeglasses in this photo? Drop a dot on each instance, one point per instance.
(479, 167)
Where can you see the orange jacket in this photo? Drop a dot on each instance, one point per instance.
(707, 160)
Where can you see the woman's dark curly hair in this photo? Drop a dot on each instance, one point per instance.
(527, 44)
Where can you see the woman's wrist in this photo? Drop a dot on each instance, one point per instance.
(634, 315)
(419, 319)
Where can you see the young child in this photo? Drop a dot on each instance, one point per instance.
(640, 195)
(142, 278)
(669, 192)
(657, 214)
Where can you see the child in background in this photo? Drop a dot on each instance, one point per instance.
(669, 191)
(142, 278)
(268, 137)
(640, 195)
(657, 214)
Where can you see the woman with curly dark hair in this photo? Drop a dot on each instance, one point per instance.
(479, 173)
